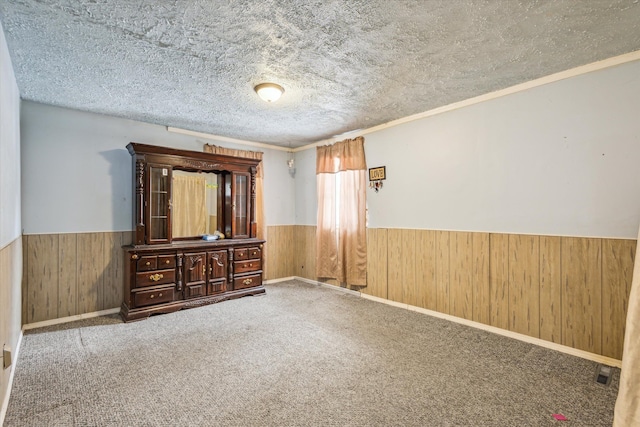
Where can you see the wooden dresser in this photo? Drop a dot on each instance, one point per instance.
(166, 278)
(165, 273)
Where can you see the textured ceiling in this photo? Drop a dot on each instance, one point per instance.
(344, 64)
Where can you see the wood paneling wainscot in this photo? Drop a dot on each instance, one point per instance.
(304, 256)
(461, 275)
(395, 264)
(426, 275)
(567, 290)
(377, 255)
(10, 273)
(550, 289)
(499, 280)
(71, 274)
(524, 284)
(280, 251)
(617, 273)
(581, 297)
(481, 278)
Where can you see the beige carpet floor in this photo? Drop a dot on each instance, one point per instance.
(301, 355)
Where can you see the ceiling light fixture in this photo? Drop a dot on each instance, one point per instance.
(269, 92)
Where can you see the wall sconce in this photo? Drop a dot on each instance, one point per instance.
(269, 92)
(376, 176)
(291, 164)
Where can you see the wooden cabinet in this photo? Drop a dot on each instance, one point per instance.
(158, 200)
(166, 278)
(166, 273)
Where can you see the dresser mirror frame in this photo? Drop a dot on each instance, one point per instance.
(153, 169)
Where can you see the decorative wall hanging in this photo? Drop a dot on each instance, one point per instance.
(376, 176)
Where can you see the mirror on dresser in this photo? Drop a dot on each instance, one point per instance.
(194, 204)
(195, 231)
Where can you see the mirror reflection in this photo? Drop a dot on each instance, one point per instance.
(194, 203)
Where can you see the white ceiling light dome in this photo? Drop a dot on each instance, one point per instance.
(269, 92)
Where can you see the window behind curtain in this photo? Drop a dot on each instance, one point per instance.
(341, 229)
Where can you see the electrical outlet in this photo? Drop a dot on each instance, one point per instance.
(604, 374)
(6, 357)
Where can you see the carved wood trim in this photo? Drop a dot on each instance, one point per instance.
(179, 281)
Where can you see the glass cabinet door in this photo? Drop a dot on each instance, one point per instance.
(241, 192)
(159, 200)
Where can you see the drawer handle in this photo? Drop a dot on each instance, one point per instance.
(148, 263)
(247, 281)
(250, 265)
(151, 296)
(155, 277)
(134, 256)
(160, 294)
(168, 262)
(254, 253)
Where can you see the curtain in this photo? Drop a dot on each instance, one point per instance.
(214, 149)
(627, 412)
(341, 230)
(189, 213)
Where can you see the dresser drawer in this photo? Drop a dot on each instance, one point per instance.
(247, 253)
(255, 253)
(146, 263)
(166, 261)
(157, 277)
(247, 281)
(240, 254)
(153, 296)
(240, 267)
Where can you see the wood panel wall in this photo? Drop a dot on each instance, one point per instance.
(280, 250)
(10, 274)
(567, 290)
(70, 274)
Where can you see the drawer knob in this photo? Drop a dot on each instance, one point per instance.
(247, 281)
(155, 277)
(168, 262)
(151, 296)
(160, 294)
(134, 256)
(250, 265)
(148, 263)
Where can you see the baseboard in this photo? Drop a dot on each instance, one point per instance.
(5, 401)
(70, 319)
(521, 337)
(281, 279)
(326, 285)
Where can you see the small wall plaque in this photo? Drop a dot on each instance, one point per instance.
(376, 175)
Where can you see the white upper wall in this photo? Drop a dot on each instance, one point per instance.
(559, 159)
(77, 172)
(10, 227)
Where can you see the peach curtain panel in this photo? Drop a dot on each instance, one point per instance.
(341, 232)
(189, 215)
(627, 412)
(214, 149)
